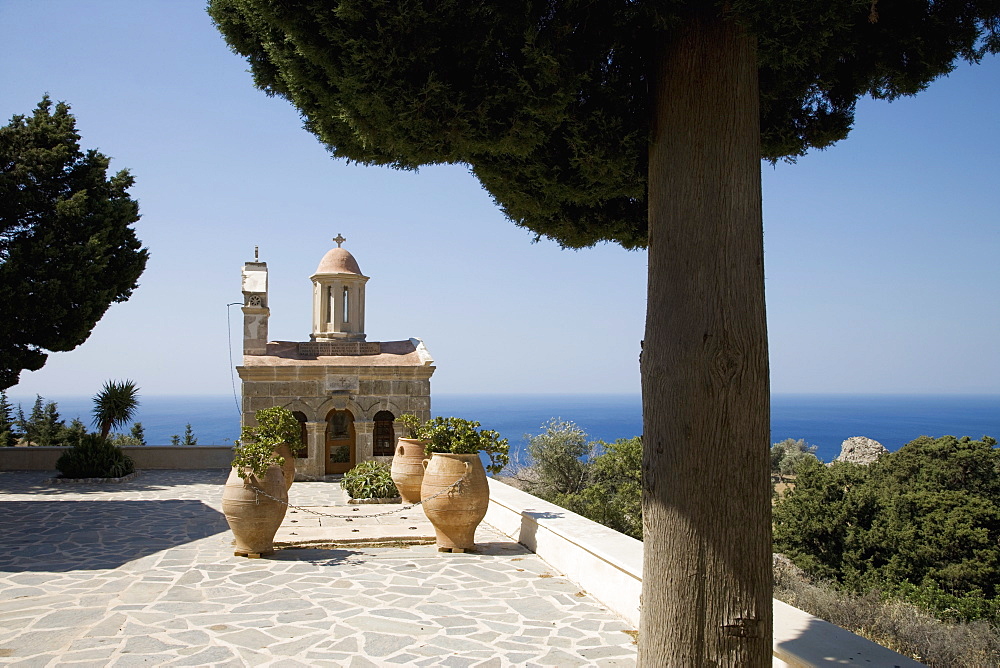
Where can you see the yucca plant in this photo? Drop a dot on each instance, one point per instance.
(115, 405)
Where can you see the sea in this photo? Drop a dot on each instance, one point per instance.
(821, 420)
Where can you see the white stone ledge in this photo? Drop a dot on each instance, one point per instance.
(608, 565)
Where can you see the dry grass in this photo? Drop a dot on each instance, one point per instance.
(897, 625)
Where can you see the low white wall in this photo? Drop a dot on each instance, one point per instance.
(34, 458)
(608, 565)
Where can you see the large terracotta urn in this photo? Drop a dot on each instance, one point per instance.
(455, 511)
(288, 468)
(254, 517)
(407, 468)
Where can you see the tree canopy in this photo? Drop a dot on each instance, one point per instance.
(67, 251)
(549, 102)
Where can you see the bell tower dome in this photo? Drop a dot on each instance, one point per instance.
(338, 297)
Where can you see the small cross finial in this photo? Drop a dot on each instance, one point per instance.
(339, 239)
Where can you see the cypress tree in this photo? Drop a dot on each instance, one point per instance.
(67, 251)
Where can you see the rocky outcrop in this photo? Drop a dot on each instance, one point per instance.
(860, 450)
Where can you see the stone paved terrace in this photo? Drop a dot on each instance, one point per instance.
(143, 573)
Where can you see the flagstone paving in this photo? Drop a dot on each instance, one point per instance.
(143, 572)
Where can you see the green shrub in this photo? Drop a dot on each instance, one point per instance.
(458, 437)
(254, 451)
(94, 457)
(922, 522)
(370, 480)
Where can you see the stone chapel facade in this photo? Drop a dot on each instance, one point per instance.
(346, 392)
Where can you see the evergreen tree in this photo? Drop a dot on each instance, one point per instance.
(21, 422)
(189, 438)
(642, 123)
(923, 521)
(49, 429)
(29, 426)
(175, 439)
(138, 433)
(8, 431)
(75, 432)
(67, 251)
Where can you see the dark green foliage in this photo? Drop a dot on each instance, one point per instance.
(370, 480)
(94, 457)
(613, 496)
(254, 451)
(175, 439)
(459, 437)
(42, 426)
(189, 438)
(923, 522)
(138, 434)
(115, 405)
(548, 102)
(8, 430)
(67, 251)
(601, 481)
(74, 432)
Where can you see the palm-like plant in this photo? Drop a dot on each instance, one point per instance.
(115, 405)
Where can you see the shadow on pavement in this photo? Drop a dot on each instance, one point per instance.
(57, 536)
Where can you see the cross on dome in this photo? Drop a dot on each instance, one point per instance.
(339, 239)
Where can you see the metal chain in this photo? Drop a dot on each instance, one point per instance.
(458, 483)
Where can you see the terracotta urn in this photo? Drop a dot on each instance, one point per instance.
(253, 517)
(407, 468)
(288, 468)
(455, 511)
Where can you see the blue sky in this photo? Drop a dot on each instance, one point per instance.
(880, 252)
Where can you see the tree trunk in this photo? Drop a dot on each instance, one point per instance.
(706, 596)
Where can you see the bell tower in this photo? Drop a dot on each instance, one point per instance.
(338, 297)
(255, 310)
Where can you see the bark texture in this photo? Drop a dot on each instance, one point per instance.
(706, 597)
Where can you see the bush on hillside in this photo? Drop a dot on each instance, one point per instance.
(787, 455)
(922, 522)
(94, 457)
(904, 627)
(613, 496)
(559, 460)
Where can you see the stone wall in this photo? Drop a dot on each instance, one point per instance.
(187, 457)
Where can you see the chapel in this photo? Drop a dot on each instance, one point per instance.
(347, 392)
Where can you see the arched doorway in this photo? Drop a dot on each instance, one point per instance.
(341, 452)
(302, 451)
(383, 434)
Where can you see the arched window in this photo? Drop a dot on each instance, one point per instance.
(383, 434)
(303, 450)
